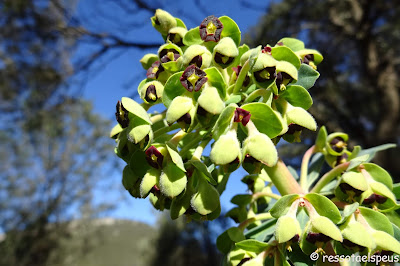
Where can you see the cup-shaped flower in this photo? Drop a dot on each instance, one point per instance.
(172, 180)
(351, 186)
(264, 70)
(169, 52)
(162, 21)
(151, 91)
(241, 116)
(378, 196)
(155, 70)
(193, 78)
(336, 143)
(225, 52)
(260, 147)
(206, 199)
(122, 115)
(147, 60)
(323, 229)
(178, 109)
(210, 29)
(197, 55)
(210, 100)
(154, 157)
(293, 133)
(226, 149)
(385, 242)
(176, 34)
(238, 256)
(355, 236)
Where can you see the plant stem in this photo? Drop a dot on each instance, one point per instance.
(304, 167)
(283, 179)
(328, 177)
(158, 117)
(165, 129)
(257, 93)
(265, 194)
(177, 137)
(195, 140)
(258, 217)
(199, 150)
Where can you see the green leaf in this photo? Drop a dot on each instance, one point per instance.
(297, 96)
(173, 88)
(261, 147)
(180, 23)
(358, 234)
(306, 76)
(349, 210)
(355, 162)
(224, 120)
(379, 174)
(115, 131)
(321, 139)
(206, 199)
(262, 231)
(324, 225)
(139, 131)
(371, 151)
(176, 158)
(234, 98)
(241, 199)
(252, 245)
(216, 80)
(226, 240)
(283, 53)
(314, 168)
(299, 116)
(282, 206)
(149, 180)
(386, 242)
(136, 109)
(286, 228)
(264, 118)
(324, 206)
(396, 190)
(192, 37)
(376, 220)
(138, 163)
(128, 178)
(231, 29)
(294, 44)
(199, 165)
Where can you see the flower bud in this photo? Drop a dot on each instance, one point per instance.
(162, 21)
(226, 149)
(197, 55)
(356, 237)
(260, 147)
(176, 34)
(224, 52)
(210, 100)
(287, 228)
(170, 57)
(178, 108)
(210, 29)
(323, 229)
(172, 181)
(206, 199)
(352, 185)
(149, 181)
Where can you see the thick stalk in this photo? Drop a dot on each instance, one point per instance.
(199, 150)
(328, 177)
(177, 137)
(165, 129)
(265, 194)
(257, 93)
(283, 179)
(304, 168)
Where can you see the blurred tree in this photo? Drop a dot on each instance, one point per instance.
(48, 176)
(181, 243)
(358, 91)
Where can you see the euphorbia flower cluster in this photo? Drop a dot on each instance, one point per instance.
(241, 102)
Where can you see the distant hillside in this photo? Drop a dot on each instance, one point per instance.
(106, 242)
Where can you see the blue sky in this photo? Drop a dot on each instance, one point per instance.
(120, 77)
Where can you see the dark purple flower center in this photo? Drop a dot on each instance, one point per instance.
(193, 78)
(338, 144)
(175, 38)
(317, 237)
(210, 29)
(151, 93)
(223, 60)
(246, 79)
(197, 61)
(346, 188)
(168, 55)
(122, 115)
(375, 198)
(154, 71)
(265, 74)
(241, 116)
(154, 157)
(266, 50)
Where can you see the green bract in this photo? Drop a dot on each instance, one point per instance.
(222, 105)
